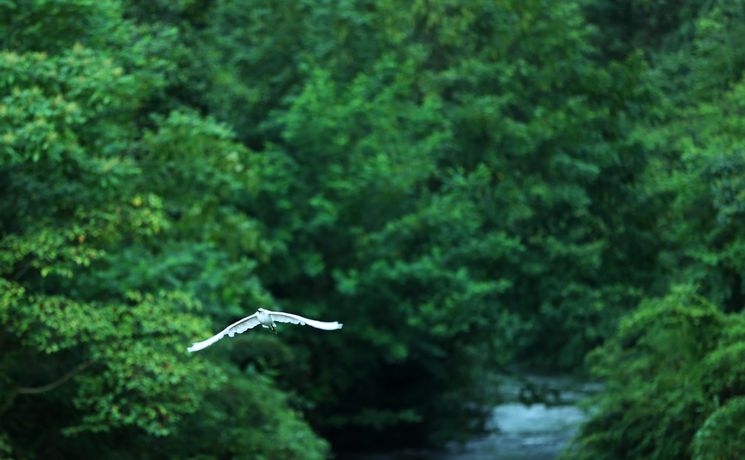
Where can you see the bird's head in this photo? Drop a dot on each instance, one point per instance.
(261, 309)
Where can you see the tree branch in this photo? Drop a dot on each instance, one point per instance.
(52, 385)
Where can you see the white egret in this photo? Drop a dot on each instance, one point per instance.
(266, 318)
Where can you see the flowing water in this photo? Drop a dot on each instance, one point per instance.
(517, 431)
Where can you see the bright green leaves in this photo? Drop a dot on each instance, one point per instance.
(702, 175)
(144, 378)
(673, 370)
(134, 355)
(462, 183)
(721, 435)
(654, 403)
(62, 249)
(674, 384)
(113, 239)
(44, 99)
(48, 251)
(49, 323)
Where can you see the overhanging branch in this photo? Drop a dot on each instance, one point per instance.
(52, 385)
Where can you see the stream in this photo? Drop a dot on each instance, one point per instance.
(517, 431)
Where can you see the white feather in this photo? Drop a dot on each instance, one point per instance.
(237, 327)
(269, 317)
(282, 317)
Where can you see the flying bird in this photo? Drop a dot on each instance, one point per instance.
(267, 319)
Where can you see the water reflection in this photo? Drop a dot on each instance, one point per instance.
(517, 431)
(525, 433)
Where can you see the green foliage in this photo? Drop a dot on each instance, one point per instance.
(93, 185)
(653, 404)
(247, 400)
(673, 369)
(447, 195)
(721, 435)
(674, 384)
(51, 26)
(464, 184)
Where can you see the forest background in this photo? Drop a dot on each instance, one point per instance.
(467, 185)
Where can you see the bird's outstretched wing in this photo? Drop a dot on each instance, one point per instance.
(237, 327)
(282, 317)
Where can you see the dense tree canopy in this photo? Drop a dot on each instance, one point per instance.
(673, 369)
(465, 184)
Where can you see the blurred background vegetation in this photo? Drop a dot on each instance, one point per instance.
(467, 185)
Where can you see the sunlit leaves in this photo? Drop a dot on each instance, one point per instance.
(674, 383)
(114, 240)
(654, 402)
(135, 356)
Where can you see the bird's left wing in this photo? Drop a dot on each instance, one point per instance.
(282, 317)
(237, 327)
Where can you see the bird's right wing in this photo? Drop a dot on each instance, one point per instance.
(282, 317)
(237, 327)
